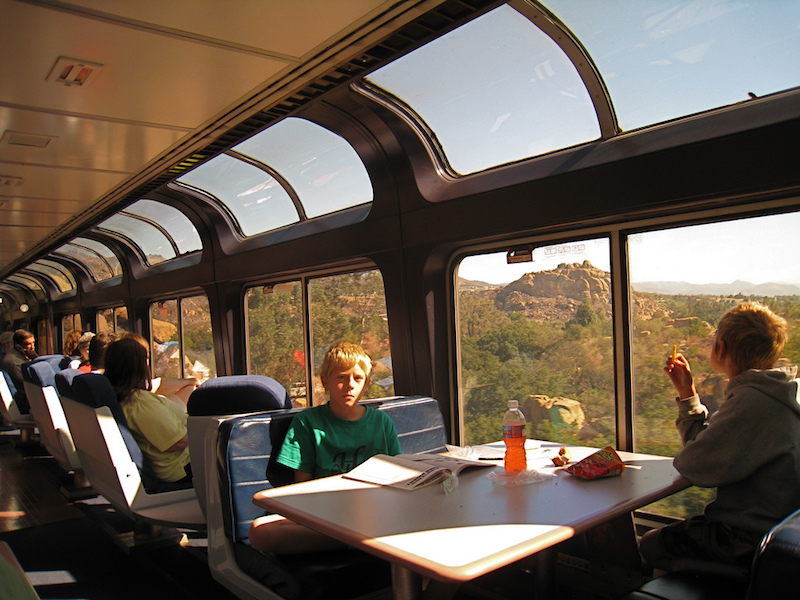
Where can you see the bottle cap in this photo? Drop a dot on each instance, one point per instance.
(513, 404)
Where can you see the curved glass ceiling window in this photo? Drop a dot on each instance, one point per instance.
(159, 231)
(321, 167)
(95, 257)
(173, 222)
(28, 282)
(664, 60)
(58, 273)
(494, 91)
(255, 198)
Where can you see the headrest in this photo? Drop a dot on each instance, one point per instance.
(11, 387)
(64, 381)
(41, 373)
(95, 390)
(237, 394)
(56, 361)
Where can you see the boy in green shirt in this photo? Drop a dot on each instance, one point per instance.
(326, 440)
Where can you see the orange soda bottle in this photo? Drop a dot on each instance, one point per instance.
(514, 438)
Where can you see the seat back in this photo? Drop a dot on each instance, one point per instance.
(111, 457)
(221, 397)
(245, 449)
(95, 390)
(8, 408)
(248, 448)
(776, 566)
(39, 381)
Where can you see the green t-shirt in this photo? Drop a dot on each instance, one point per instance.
(320, 443)
(157, 423)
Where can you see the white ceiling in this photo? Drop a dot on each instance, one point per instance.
(174, 76)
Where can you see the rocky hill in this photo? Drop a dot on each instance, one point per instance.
(556, 294)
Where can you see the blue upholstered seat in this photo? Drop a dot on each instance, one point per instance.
(247, 446)
(95, 390)
(236, 395)
(774, 575)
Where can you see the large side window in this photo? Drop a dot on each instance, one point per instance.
(182, 344)
(352, 306)
(348, 306)
(683, 280)
(275, 336)
(113, 319)
(535, 326)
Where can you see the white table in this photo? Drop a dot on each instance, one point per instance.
(479, 527)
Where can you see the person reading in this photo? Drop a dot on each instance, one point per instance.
(748, 449)
(329, 439)
(158, 423)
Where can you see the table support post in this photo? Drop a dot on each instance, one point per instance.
(406, 585)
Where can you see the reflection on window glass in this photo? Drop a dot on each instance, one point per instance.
(101, 250)
(121, 319)
(663, 60)
(169, 218)
(69, 323)
(96, 265)
(165, 351)
(322, 168)
(255, 198)
(58, 273)
(113, 319)
(352, 306)
(684, 279)
(494, 91)
(199, 359)
(539, 332)
(275, 336)
(151, 242)
(194, 355)
(28, 282)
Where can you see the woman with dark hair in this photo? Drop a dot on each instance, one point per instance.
(158, 423)
(70, 347)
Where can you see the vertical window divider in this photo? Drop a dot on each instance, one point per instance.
(621, 317)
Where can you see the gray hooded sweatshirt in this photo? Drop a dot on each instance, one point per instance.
(749, 449)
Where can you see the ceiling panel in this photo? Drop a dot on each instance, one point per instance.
(87, 143)
(285, 27)
(175, 75)
(137, 82)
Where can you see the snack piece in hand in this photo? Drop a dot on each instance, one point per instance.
(603, 463)
(563, 457)
(674, 351)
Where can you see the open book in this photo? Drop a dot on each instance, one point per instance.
(411, 471)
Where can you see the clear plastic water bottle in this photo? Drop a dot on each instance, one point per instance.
(514, 438)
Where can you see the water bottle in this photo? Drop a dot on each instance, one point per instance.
(514, 438)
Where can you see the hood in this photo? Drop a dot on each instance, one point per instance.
(780, 384)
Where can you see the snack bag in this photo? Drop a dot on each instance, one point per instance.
(603, 463)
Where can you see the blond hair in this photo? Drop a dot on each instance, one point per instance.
(346, 355)
(754, 336)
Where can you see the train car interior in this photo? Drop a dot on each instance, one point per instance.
(530, 200)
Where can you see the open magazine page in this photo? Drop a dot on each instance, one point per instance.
(410, 471)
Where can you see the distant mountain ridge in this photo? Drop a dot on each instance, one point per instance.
(718, 289)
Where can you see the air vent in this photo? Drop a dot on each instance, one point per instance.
(10, 181)
(74, 72)
(28, 140)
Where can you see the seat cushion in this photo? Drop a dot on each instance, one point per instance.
(682, 585)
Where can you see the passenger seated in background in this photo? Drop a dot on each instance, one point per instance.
(83, 352)
(97, 350)
(6, 342)
(748, 449)
(158, 423)
(70, 347)
(325, 440)
(23, 351)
